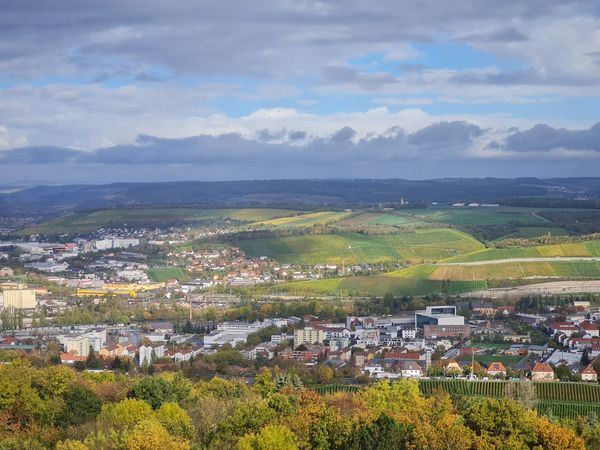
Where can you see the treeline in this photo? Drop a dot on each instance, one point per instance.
(545, 240)
(552, 203)
(57, 408)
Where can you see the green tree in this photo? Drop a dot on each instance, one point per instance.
(92, 361)
(81, 404)
(383, 434)
(157, 389)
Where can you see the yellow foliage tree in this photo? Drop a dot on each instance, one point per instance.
(151, 435)
(271, 437)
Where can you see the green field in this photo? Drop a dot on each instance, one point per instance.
(507, 360)
(90, 221)
(421, 245)
(464, 216)
(491, 345)
(306, 220)
(160, 274)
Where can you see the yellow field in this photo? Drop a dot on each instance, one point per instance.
(306, 220)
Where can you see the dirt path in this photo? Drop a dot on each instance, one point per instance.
(550, 288)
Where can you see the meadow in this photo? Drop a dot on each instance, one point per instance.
(89, 221)
(161, 274)
(463, 216)
(353, 248)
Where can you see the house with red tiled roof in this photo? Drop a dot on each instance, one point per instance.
(542, 372)
(70, 358)
(567, 328)
(589, 374)
(496, 369)
(583, 343)
(589, 328)
(452, 366)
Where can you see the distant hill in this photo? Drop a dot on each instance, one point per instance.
(54, 200)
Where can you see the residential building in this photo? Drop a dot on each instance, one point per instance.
(308, 335)
(452, 366)
(566, 328)
(19, 298)
(410, 369)
(589, 328)
(496, 369)
(71, 358)
(487, 309)
(589, 374)
(78, 344)
(151, 352)
(409, 332)
(542, 372)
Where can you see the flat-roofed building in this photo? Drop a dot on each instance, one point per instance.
(77, 344)
(440, 331)
(19, 298)
(438, 315)
(309, 335)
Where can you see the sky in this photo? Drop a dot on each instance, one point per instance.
(122, 90)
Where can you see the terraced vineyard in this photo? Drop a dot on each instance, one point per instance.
(420, 245)
(546, 391)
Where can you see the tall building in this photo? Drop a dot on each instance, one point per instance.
(78, 344)
(19, 298)
(308, 335)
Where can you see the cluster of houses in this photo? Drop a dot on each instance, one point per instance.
(411, 345)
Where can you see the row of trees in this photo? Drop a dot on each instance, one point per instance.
(56, 407)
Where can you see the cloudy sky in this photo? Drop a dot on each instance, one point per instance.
(120, 90)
